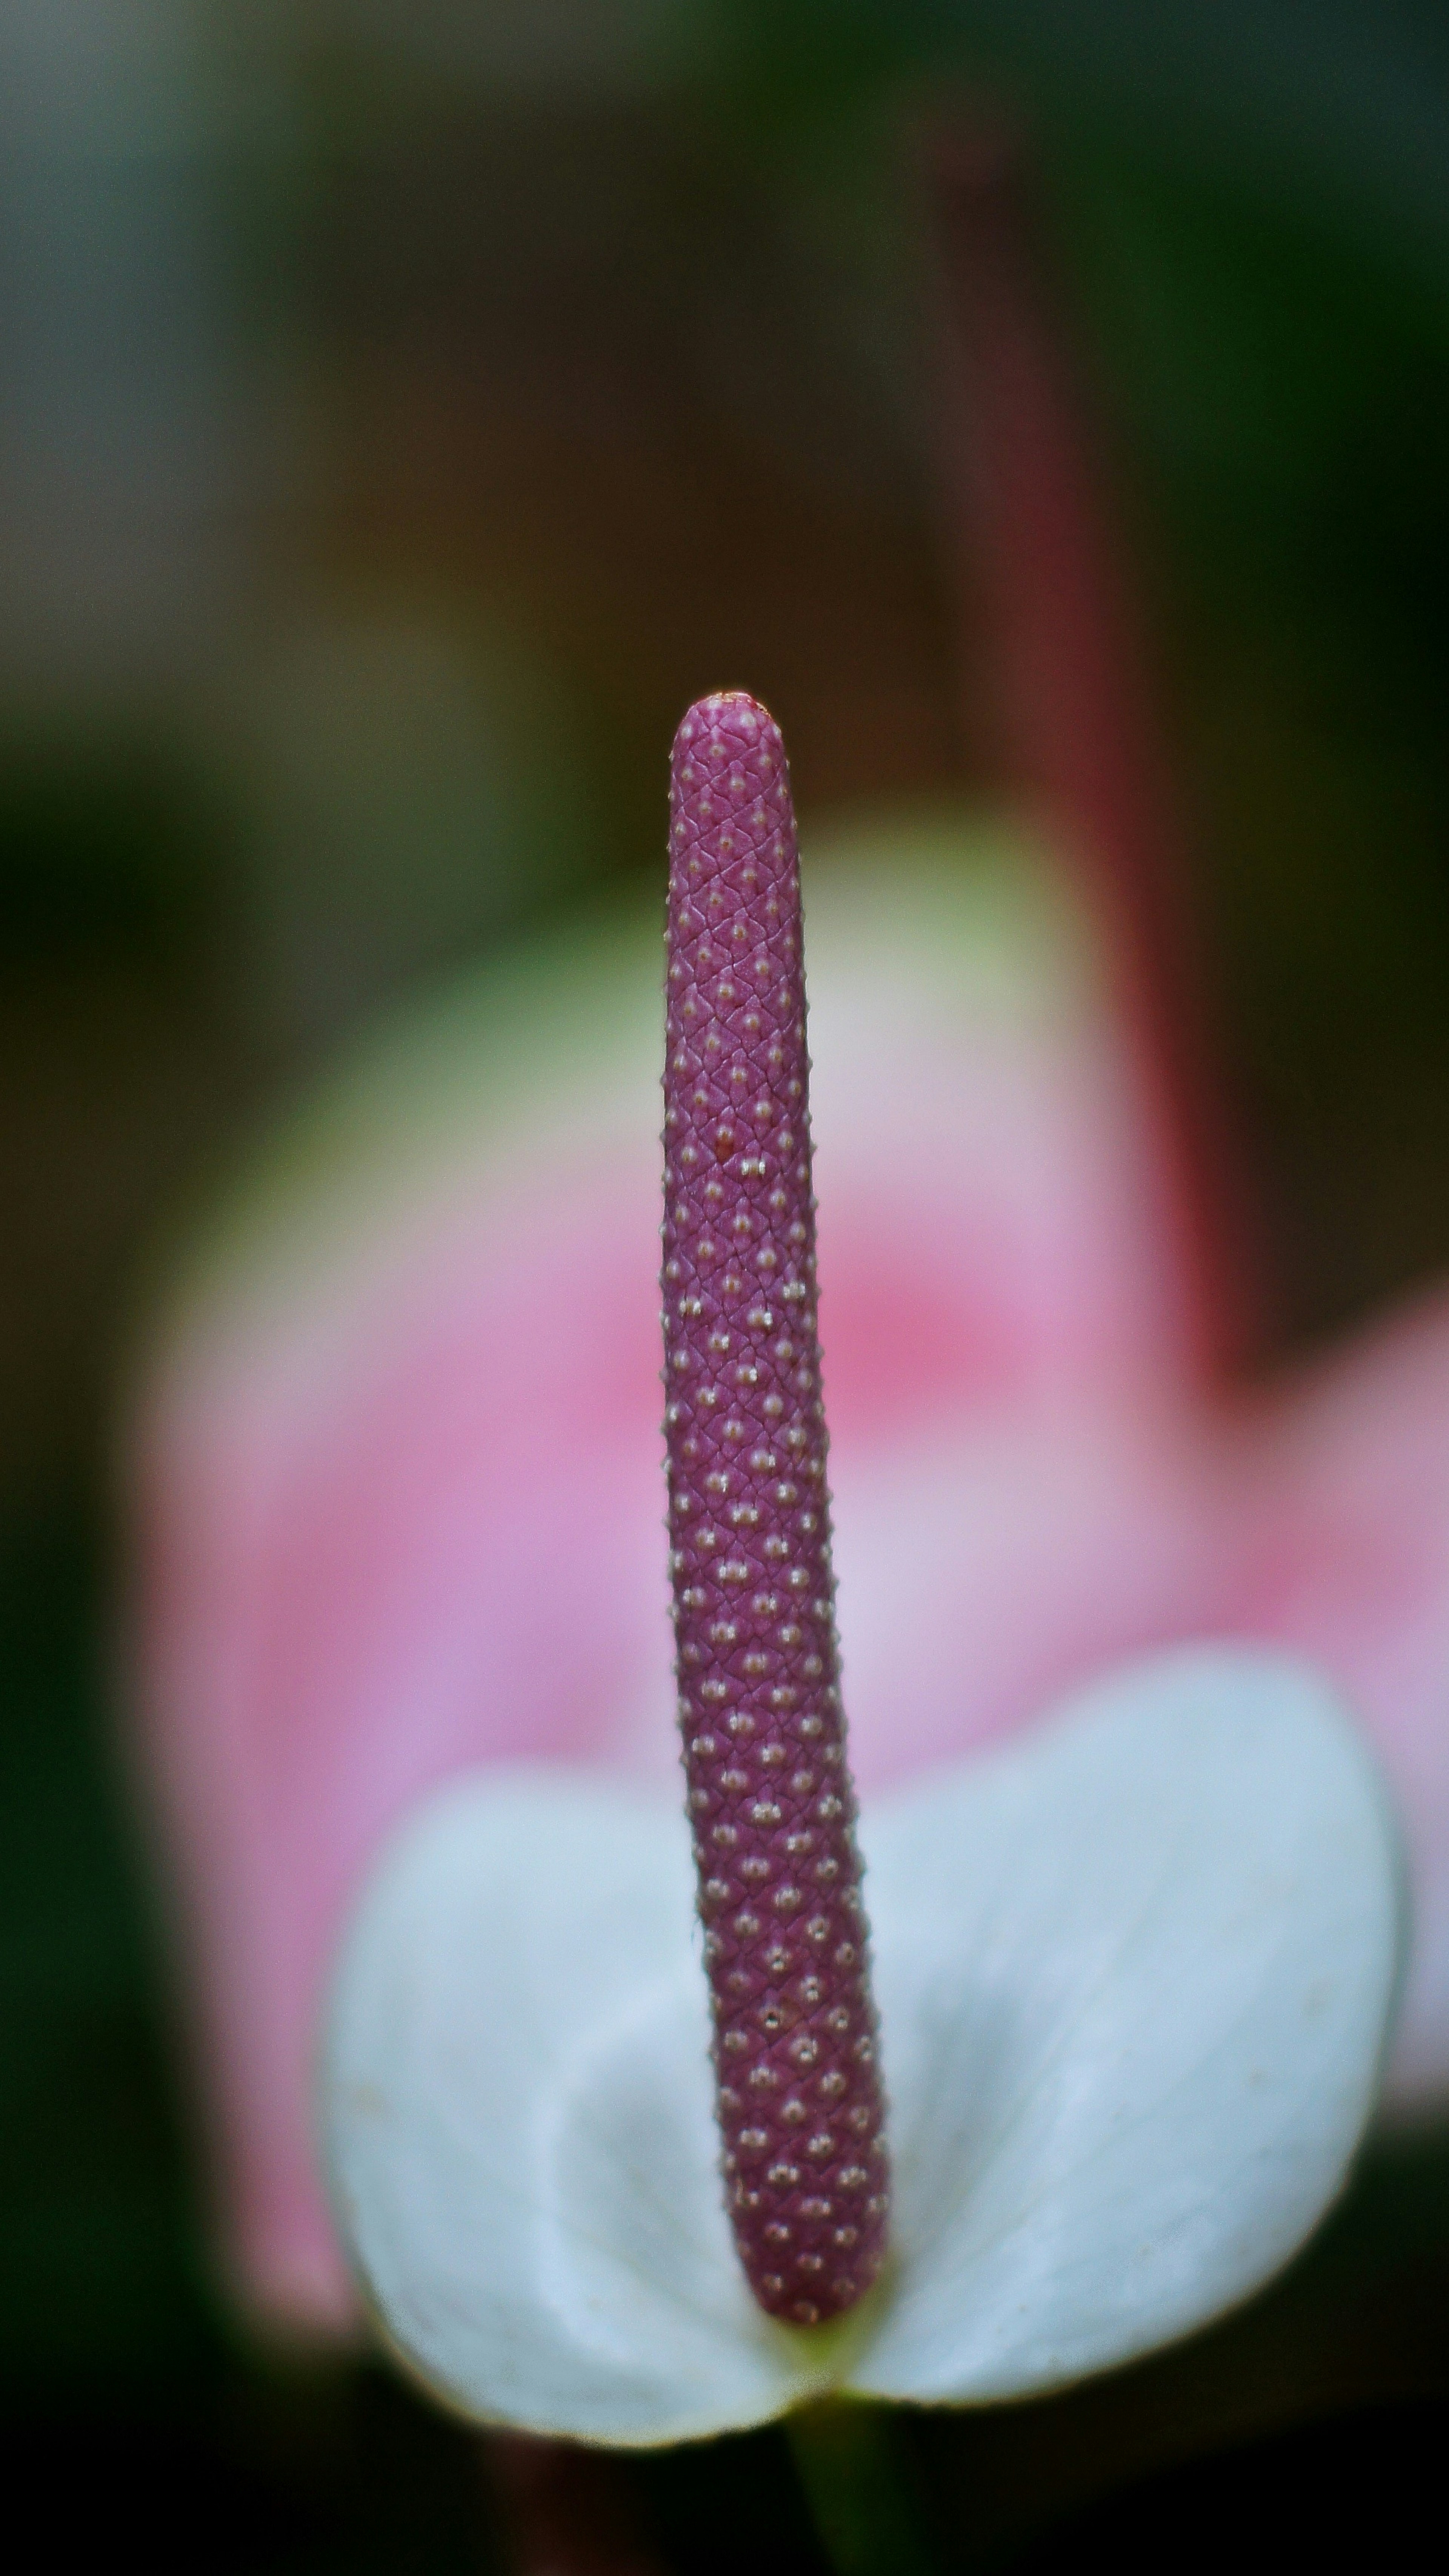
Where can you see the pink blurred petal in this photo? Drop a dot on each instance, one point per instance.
(983, 1572)
(1348, 1558)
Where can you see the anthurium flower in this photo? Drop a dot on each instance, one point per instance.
(394, 1483)
(397, 1485)
(1135, 1978)
(374, 1411)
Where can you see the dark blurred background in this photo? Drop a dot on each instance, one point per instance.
(406, 406)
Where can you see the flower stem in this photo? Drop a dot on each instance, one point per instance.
(567, 2510)
(1075, 706)
(858, 2482)
(770, 1796)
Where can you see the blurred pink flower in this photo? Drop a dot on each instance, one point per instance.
(399, 1467)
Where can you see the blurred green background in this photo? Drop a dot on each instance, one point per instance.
(404, 410)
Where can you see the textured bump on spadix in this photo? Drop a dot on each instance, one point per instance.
(770, 1797)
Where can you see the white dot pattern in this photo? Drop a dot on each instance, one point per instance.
(770, 1797)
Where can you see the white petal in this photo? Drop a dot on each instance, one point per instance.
(518, 2110)
(1134, 1977)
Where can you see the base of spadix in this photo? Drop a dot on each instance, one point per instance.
(1134, 1976)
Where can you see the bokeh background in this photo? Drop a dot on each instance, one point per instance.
(406, 407)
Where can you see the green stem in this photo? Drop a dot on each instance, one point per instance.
(862, 2489)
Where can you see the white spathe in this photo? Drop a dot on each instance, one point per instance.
(1134, 1974)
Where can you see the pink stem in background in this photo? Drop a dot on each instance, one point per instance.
(759, 1699)
(1067, 664)
(566, 2510)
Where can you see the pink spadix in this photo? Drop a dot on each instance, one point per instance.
(770, 1795)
